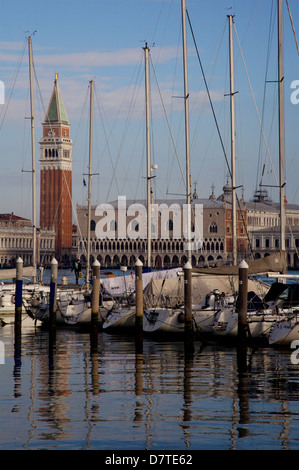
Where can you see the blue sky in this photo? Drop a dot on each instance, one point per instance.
(102, 40)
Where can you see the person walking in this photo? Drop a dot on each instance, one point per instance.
(77, 268)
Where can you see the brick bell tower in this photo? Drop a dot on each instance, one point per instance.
(56, 173)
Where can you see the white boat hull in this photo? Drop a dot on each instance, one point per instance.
(121, 318)
(204, 320)
(30, 291)
(284, 333)
(73, 308)
(173, 320)
(165, 320)
(259, 324)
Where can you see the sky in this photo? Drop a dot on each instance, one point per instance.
(103, 41)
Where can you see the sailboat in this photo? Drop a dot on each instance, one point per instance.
(73, 303)
(75, 309)
(287, 329)
(210, 309)
(123, 314)
(31, 290)
(262, 313)
(170, 319)
(276, 318)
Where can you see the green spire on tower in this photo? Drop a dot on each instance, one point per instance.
(56, 110)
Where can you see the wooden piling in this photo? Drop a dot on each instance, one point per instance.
(189, 331)
(53, 293)
(139, 299)
(242, 309)
(19, 297)
(95, 301)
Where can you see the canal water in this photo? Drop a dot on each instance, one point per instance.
(68, 393)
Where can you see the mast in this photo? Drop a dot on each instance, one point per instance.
(233, 146)
(33, 157)
(281, 125)
(89, 181)
(187, 137)
(148, 153)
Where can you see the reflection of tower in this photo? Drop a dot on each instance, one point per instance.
(56, 173)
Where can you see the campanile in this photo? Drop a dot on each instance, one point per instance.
(56, 173)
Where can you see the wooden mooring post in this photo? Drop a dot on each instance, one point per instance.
(189, 331)
(242, 309)
(139, 300)
(19, 297)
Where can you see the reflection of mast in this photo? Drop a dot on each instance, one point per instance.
(138, 385)
(243, 389)
(188, 366)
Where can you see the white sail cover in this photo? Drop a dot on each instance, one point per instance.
(11, 273)
(125, 284)
(170, 292)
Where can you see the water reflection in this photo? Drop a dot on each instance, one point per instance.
(76, 390)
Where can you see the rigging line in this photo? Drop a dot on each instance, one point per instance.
(74, 211)
(218, 130)
(291, 19)
(168, 124)
(106, 139)
(170, 163)
(13, 84)
(128, 119)
(82, 113)
(292, 235)
(204, 101)
(141, 161)
(139, 179)
(157, 23)
(209, 95)
(126, 169)
(255, 105)
(212, 72)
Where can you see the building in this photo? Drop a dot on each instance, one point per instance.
(258, 233)
(56, 174)
(16, 240)
(263, 225)
(113, 247)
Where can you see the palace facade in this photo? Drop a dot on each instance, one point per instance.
(16, 240)
(258, 233)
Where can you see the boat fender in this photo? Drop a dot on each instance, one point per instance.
(181, 317)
